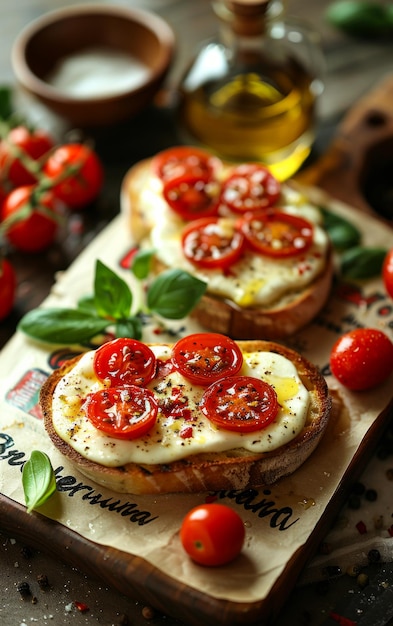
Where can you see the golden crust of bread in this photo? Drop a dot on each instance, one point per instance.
(216, 314)
(235, 469)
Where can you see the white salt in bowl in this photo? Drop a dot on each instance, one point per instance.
(94, 65)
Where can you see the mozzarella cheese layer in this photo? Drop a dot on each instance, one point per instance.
(255, 280)
(165, 443)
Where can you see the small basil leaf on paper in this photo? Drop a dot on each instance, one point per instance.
(141, 263)
(362, 262)
(131, 327)
(174, 293)
(112, 295)
(61, 325)
(343, 234)
(38, 480)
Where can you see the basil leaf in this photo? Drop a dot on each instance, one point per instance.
(66, 326)
(131, 327)
(112, 296)
(343, 234)
(174, 293)
(141, 263)
(38, 480)
(87, 303)
(5, 103)
(362, 262)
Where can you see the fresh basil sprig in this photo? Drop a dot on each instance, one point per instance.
(362, 262)
(171, 295)
(343, 234)
(38, 480)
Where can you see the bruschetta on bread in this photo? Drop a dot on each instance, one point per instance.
(206, 413)
(258, 244)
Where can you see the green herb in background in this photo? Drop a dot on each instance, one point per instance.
(361, 18)
(38, 480)
(343, 234)
(362, 262)
(172, 295)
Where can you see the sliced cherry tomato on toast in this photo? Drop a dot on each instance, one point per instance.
(125, 412)
(125, 361)
(212, 534)
(29, 218)
(240, 403)
(20, 152)
(191, 196)
(250, 187)
(362, 358)
(76, 173)
(387, 273)
(277, 234)
(7, 288)
(180, 160)
(212, 243)
(204, 358)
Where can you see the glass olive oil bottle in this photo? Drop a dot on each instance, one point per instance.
(251, 95)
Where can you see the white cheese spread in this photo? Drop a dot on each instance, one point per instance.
(164, 443)
(255, 280)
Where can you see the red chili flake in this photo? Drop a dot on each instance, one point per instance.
(81, 606)
(127, 259)
(186, 432)
(361, 527)
(390, 530)
(210, 499)
(340, 619)
(157, 331)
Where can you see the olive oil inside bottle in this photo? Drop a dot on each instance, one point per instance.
(259, 116)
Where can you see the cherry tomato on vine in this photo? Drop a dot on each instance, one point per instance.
(126, 412)
(20, 152)
(125, 361)
(240, 403)
(387, 273)
(212, 243)
(362, 358)
(181, 160)
(76, 173)
(192, 197)
(29, 218)
(7, 288)
(277, 234)
(204, 358)
(250, 187)
(212, 534)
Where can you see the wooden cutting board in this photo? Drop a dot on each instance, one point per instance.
(357, 166)
(360, 140)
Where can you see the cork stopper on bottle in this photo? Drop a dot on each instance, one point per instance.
(246, 17)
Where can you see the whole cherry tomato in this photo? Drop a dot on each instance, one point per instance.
(240, 403)
(387, 273)
(125, 361)
(181, 160)
(212, 242)
(126, 412)
(362, 358)
(212, 534)
(76, 173)
(204, 358)
(29, 218)
(277, 234)
(20, 151)
(250, 187)
(7, 288)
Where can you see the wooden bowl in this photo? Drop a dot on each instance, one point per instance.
(94, 65)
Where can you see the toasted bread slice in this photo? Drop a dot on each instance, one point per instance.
(281, 318)
(233, 469)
